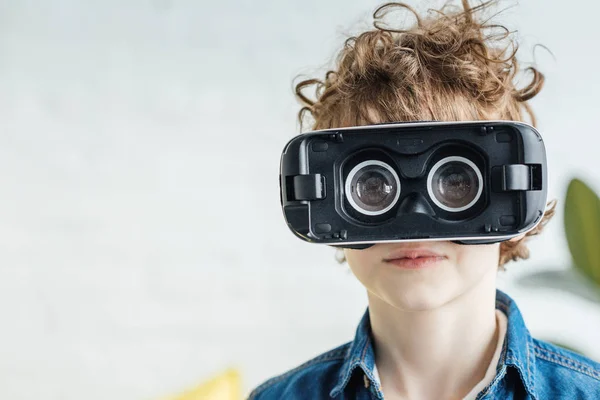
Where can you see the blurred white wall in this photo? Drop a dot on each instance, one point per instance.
(142, 247)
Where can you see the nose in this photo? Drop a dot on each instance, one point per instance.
(415, 203)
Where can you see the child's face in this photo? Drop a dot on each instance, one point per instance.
(462, 267)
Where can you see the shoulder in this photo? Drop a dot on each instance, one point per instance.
(565, 372)
(313, 377)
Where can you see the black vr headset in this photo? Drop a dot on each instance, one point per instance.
(470, 182)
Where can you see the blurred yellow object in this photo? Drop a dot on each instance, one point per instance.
(226, 386)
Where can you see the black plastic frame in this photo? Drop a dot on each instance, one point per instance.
(510, 155)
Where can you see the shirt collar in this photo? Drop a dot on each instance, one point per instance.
(517, 350)
(360, 354)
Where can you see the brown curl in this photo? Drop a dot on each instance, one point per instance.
(449, 65)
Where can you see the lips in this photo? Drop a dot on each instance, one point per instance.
(415, 258)
(400, 254)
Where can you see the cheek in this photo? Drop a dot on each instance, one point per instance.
(363, 263)
(477, 259)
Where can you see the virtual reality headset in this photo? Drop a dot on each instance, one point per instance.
(470, 182)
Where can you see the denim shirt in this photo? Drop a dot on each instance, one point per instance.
(528, 369)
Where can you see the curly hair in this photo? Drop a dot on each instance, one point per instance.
(448, 66)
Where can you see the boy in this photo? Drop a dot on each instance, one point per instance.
(436, 327)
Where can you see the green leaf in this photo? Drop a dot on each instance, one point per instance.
(582, 228)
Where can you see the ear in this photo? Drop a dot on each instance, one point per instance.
(517, 238)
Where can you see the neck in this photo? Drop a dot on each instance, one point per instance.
(451, 345)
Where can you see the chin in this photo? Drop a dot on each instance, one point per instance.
(415, 297)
